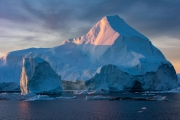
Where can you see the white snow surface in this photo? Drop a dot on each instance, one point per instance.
(37, 76)
(110, 41)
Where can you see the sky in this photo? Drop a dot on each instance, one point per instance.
(46, 23)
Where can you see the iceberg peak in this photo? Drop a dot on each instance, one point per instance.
(107, 30)
(112, 18)
(120, 26)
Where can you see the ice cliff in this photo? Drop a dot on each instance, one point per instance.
(178, 75)
(37, 76)
(111, 78)
(110, 41)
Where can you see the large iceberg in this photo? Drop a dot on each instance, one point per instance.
(38, 77)
(110, 41)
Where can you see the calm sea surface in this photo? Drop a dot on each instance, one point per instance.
(80, 109)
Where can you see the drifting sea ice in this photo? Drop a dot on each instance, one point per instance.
(10, 96)
(100, 91)
(74, 97)
(160, 98)
(77, 92)
(39, 97)
(176, 90)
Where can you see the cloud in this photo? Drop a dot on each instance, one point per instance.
(46, 23)
(151, 18)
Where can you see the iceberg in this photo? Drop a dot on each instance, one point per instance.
(38, 77)
(112, 56)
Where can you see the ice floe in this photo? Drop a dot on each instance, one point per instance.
(80, 92)
(100, 91)
(39, 97)
(160, 98)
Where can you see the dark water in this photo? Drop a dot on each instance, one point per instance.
(80, 109)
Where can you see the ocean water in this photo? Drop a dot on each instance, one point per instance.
(80, 109)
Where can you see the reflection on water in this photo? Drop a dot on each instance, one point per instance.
(103, 110)
(24, 110)
(80, 109)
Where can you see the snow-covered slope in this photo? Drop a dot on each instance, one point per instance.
(38, 77)
(110, 41)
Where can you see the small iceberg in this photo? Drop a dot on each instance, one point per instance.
(143, 108)
(160, 98)
(98, 97)
(39, 97)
